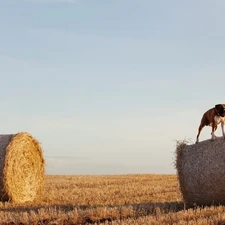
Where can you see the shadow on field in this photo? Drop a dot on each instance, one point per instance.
(26, 208)
(93, 215)
(153, 208)
(142, 209)
(90, 215)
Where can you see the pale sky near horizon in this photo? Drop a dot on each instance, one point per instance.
(108, 87)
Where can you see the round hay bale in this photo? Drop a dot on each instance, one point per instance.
(21, 167)
(201, 172)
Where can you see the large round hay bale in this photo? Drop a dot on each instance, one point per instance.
(201, 172)
(21, 167)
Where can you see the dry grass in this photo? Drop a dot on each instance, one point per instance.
(122, 199)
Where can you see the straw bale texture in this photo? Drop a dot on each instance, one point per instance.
(201, 172)
(22, 167)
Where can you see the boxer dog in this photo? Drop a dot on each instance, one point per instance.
(212, 118)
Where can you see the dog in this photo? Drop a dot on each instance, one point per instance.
(212, 118)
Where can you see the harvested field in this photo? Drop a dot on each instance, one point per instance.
(116, 199)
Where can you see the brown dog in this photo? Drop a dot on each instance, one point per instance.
(212, 118)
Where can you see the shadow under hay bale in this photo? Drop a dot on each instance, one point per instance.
(201, 172)
(21, 167)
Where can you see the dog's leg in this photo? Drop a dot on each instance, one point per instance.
(199, 131)
(222, 126)
(214, 127)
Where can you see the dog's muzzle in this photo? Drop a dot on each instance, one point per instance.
(223, 113)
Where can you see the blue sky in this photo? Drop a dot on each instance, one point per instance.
(108, 87)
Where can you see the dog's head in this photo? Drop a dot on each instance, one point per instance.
(220, 109)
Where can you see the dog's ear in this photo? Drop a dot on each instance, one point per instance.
(218, 106)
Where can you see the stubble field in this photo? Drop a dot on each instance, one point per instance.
(111, 199)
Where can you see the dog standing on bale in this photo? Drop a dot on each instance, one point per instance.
(212, 118)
